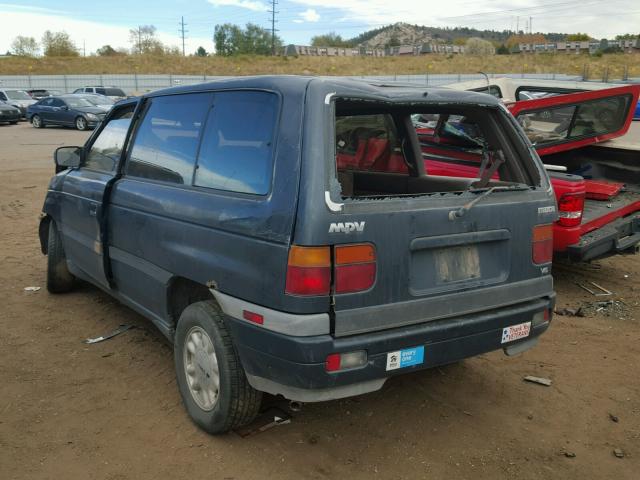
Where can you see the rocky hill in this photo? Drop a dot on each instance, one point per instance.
(407, 34)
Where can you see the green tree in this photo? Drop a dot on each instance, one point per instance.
(58, 44)
(233, 40)
(107, 51)
(394, 41)
(25, 46)
(331, 39)
(201, 52)
(502, 50)
(628, 36)
(578, 37)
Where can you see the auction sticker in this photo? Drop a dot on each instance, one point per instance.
(405, 358)
(514, 332)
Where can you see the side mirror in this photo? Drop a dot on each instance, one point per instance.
(67, 157)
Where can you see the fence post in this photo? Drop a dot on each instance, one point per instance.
(101, 81)
(625, 74)
(605, 75)
(30, 81)
(585, 72)
(66, 86)
(135, 81)
(459, 78)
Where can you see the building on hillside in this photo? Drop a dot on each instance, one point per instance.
(400, 50)
(593, 46)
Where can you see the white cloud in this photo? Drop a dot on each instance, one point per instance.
(248, 4)
(93, 34)
(310, 15)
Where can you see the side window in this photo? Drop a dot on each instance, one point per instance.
(56, 102)
(78, 90)
(46, 102)
(107, 148)
(237, 146)
(101, 91)
(3, 96)
(167, 140)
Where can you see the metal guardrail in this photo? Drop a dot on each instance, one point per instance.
(136, 84)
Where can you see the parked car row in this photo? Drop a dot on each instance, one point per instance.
(67, 110)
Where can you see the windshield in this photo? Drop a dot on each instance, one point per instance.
(17, 95)
(99, 100)
(78, 102)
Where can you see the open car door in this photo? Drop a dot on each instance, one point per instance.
(565, 122)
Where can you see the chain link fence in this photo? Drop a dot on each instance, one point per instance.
(137, 84)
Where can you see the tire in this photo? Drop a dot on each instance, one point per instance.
(81, 123)
(59, 279)
(14, 123)
(236, 403)
(37, 122)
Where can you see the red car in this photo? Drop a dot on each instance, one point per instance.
(597, 189)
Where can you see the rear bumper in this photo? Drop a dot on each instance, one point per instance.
(295, 366)
(620, 236)
(10, 117)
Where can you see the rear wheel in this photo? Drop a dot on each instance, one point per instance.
(211, 380)
(59, 279)
(81, 123)
(14, 123)
(37, 122)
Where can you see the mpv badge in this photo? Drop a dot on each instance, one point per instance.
(346, 227)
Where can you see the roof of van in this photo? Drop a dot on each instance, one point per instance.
(339, 86)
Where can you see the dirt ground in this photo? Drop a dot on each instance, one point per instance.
(112, 410)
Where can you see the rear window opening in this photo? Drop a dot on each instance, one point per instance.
(384, 150)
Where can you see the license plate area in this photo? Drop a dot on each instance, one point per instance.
(452, 262)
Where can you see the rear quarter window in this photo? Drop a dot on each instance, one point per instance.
(237, 146)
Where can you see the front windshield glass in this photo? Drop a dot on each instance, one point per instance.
(17, 95)
(78, 102)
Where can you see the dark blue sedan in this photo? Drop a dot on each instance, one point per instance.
(65, 110)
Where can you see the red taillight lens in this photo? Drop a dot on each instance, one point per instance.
(309, 271)
(355, 268)
(542, 244)
(253, 317)
(332, 363)
(570, 207)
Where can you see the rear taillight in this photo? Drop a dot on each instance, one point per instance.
(542, 244)
(570, 207)
(354, 268)
(309, 271)
(345, 361)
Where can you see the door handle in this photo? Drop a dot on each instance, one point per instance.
(93, 209)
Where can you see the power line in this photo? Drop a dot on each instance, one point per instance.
(182, 31)
(273, 13)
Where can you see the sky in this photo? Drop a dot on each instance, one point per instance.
(94, 24)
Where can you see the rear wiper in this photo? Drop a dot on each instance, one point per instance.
(485, 173)
(460, 212)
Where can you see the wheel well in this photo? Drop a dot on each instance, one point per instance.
(181, 293)
(43, 233)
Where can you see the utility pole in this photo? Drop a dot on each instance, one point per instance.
(530, 25)
(139, 40)
(517, 25)
(84, 48)
(273, 26)
(182, 32)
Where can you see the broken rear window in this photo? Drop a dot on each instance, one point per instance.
(384, 151)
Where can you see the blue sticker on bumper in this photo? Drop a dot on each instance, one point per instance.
(405, 358)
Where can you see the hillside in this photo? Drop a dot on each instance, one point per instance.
(404, 33)
(255, 65)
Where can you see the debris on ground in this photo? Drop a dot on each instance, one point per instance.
(117, 331)
(598, 291)
(614, 418)
(572, 312)
(31, 289)
(539, 380)
(609, 308)
(272, 417)
(570, 454)
(618, 453)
